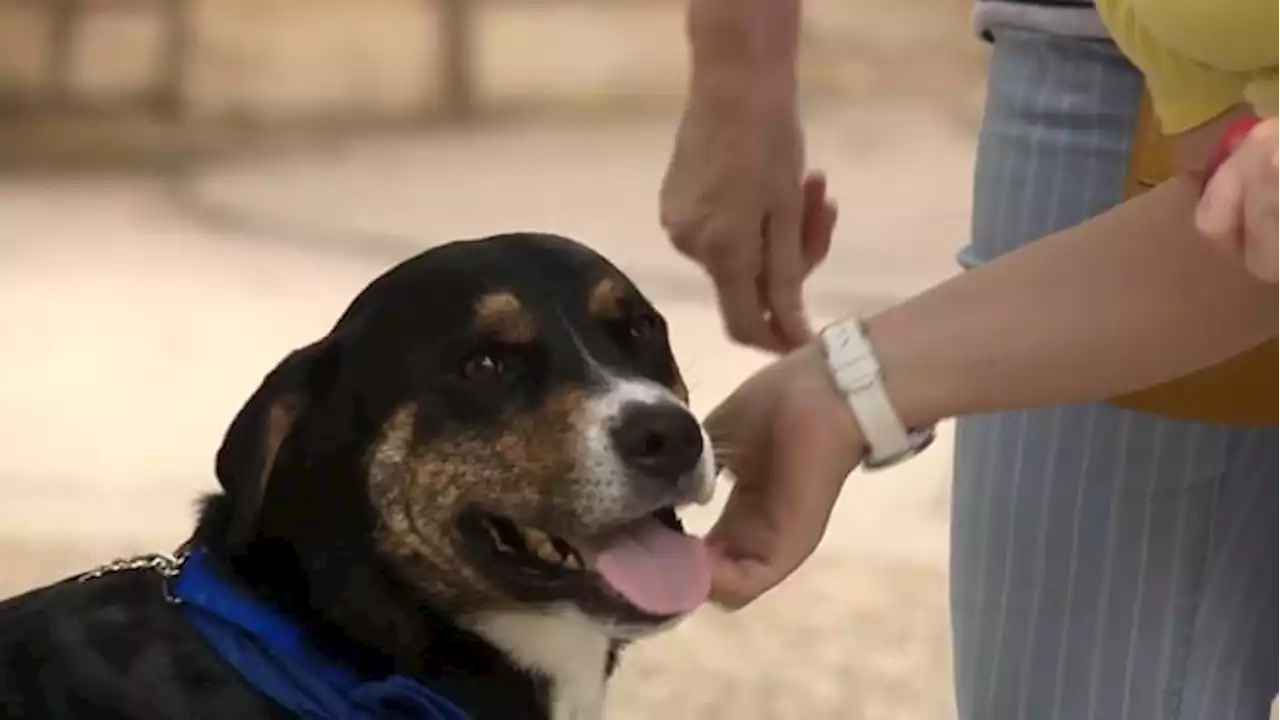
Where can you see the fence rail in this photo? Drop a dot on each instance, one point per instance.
(457, 38)
(64, 18)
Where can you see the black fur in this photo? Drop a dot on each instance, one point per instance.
(112, 647)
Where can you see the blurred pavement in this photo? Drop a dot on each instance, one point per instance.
(139, 316)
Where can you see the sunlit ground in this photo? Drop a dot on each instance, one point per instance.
(136, 324)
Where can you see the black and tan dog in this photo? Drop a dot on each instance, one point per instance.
(458, 503)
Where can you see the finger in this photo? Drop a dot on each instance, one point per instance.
(818, 223)
(729, 547)
(815, 192)
(825, 232)
(776, 331)
(818, 235)
(742, 534)
(1218, 213)
(1262, 232)
(1270, 233)
(733, 584)
(744, 315)
(1261, 257)
(740, 546)
(675, 201)
(785, 271)
(775, 518)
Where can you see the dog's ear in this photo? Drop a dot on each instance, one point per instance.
(250, 447)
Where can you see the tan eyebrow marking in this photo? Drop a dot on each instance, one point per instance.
(500, 314)
(605, 299)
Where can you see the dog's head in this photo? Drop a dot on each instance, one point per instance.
(492, 425)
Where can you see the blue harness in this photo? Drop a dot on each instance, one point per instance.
(270, 651)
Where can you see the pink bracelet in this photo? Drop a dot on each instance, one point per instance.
(1228, 143)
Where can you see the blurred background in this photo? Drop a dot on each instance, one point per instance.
(191, 188)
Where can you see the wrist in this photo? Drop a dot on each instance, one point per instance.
(845, 446)
(854, 368)
(908, 381)
(743, 94)
(743, 37)
(813, 358)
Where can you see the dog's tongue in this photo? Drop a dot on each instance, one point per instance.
(657, 569)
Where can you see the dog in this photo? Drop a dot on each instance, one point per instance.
(459, 503)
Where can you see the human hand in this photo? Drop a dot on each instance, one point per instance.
(790, 439)
(1239, 206)
(733, 200)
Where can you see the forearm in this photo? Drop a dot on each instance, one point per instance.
(1126, 300)
(734, 41)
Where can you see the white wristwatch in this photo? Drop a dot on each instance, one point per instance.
(857, 374)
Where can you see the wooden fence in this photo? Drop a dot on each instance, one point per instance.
(60, 22)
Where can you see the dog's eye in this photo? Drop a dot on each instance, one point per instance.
(643, 326)
(483, 367)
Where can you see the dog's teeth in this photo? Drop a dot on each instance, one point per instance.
(498, 541)
(548, 554)
(540, 545)
(568, 556)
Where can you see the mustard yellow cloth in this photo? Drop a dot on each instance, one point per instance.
(1199, 58)
(1241, 391)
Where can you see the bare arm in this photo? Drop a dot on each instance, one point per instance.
(764, 34)
(743, 56)
(1126, 300)
(737, 197)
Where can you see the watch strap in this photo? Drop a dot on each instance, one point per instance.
(856, 372)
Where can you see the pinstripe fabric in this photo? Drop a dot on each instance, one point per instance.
(1070, 18)
(1106, 564)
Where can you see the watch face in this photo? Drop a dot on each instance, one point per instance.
(919, 441)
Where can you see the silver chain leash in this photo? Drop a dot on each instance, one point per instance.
(166, 566)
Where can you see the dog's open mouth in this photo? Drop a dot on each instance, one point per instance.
(644, 569)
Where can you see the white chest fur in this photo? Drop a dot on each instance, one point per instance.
(564, 646)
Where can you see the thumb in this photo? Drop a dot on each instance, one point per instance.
(818, 222)
(1218, 214)
(1261, 230)
(785, 271)
(774, 520)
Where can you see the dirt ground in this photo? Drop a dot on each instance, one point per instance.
(142, 314)
(139, 314)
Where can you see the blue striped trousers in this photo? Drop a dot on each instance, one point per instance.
(1106, 564)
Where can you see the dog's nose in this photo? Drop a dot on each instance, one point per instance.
(660, 440)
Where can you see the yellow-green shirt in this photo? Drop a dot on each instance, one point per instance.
(1199, 58)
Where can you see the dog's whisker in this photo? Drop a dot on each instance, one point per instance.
(724, 454)
(724, 457)
(722, 434)
(723, 446)
(721, 443)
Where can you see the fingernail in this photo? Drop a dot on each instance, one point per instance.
(1206, 217)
